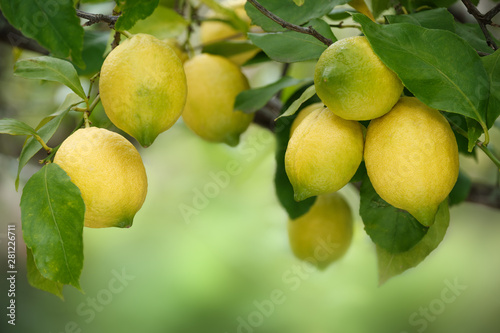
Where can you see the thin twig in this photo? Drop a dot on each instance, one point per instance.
(287, 25)
(96, 18)
(483, 20)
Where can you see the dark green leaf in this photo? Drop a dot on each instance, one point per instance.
(252, 100)
(473, 34)
(474, 131)
(378, 6)
(46, 129)
(439, 18)
(53, 24)
(360, 173)
(461, 189)
(291, 46)
(15, 127)
(51, 69)
(492, 65)
(340, 14)
(427, 61)
(52, 212)
(390, 228)
(94, 47)
(392, 264)
(37, 280)
(133, 11)
(284, 189)
(457, 120)
(288, 11)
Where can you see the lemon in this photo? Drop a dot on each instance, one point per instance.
(303, 114)
(217, 31)
(143, 87)
(323, 154)
(411, 157)
(353, 82)
(324, 233)
(213, 84)
(174, 45)
(109, 172)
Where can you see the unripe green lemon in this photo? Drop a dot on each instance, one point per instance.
(213, 84)
(353, 82)
(303, 114)
(411, 157)
(324, 233)
(109, 172)
(143, 87)
(323, 154)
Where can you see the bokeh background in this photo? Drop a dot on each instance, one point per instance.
(219, 269)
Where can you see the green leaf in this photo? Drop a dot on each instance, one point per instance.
(340, 14)
(284, 188)
(163, 23)
(461, 189)
(252, 100)
(299, 2)
(52, 212)
(439, 18)
(15, 127)
(291, 46)
(37, 280)
(133, 11)
(233, 19)
(390, 228)
(460, 121)
(295, 105)
(474, 131)
(94, 47)
(392, 264)
(378, 6)
(228, 48)
(290, 12)
(53, 24)
(492, 65)
(473, 34)
(46, 129)
(426, 60)
(51, 69)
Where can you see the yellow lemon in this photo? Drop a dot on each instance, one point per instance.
(353, 82)
(411, 157)
(174, 44)
(213, 84)
(324, 233)
(109, 172)
(303, 114)
(323, 154)
(143, 87)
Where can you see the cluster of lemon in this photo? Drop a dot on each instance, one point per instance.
(145, 85)
(409, 149)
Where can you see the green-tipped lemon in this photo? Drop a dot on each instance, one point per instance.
(213, 84)
(411, 157)
(143, 87)
(353, 82)
(323, 154)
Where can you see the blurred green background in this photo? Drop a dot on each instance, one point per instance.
(219, 269)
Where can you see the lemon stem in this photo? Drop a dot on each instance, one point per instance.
(44, 145)
(126, 34)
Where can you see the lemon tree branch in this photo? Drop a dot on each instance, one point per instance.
(287, 25)
(483, 20)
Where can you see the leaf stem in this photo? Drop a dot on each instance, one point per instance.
(480, 144)
(126, 34)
